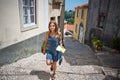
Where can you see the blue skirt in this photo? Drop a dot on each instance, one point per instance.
(54, 55)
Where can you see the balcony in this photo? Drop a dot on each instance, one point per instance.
(58, 1)
(56, 4)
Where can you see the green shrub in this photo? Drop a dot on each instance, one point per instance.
(99, 43)
(94, 39)
(116, 43)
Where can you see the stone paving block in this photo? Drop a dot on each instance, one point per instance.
(82, 77)
(64, 67)
(79, 63)
(110, 71)
(85, 61)
(63, 76)
(20, 77)
(14, 70)
(95, 77)
(91, 69)
(77, 70)
(76, 77)
(109, 60)
(109, 77)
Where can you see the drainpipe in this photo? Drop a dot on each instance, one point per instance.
(62, 18)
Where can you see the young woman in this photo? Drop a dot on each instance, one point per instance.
(53, 38)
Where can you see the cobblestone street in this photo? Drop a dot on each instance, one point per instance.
(79, 63)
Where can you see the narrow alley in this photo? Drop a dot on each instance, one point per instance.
(91, 31)
(79, 63)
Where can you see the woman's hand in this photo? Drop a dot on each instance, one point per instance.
(44, 52)
(61, 46)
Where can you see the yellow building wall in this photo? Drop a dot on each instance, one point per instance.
(78, 20)
(85, 22)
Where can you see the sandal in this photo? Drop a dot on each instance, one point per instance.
(53, 76)
(60, 61)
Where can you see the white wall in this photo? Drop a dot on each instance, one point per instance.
(10, 32)
(54, 12)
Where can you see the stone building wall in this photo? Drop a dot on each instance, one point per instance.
(111, 26)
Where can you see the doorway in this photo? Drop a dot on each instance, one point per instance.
(81, 32)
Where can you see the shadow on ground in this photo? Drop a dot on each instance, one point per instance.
(109, 77)
(80, 54)
(110, 60)
(42, 75)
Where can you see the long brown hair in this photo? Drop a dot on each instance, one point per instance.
(56, 27)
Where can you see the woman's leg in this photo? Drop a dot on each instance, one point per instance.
(54, 67)
(60, 58)
(49, 62)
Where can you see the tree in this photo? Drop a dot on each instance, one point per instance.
(69, 16)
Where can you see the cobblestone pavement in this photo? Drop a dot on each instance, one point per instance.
(79, 63)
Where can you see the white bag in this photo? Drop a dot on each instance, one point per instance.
(61, 49)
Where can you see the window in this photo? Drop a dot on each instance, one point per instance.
(101, 20)
(52, 19)
(76, 28)
(77, 11)
(28, 13)
(82, 14)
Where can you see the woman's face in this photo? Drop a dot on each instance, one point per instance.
(52, 27)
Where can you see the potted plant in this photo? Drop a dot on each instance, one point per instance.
(116, 44)
(94, 39)
(99, 45)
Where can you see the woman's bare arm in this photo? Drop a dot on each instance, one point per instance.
(45, 42)
(61, 39)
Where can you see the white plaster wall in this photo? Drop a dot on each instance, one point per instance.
(10, 32)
